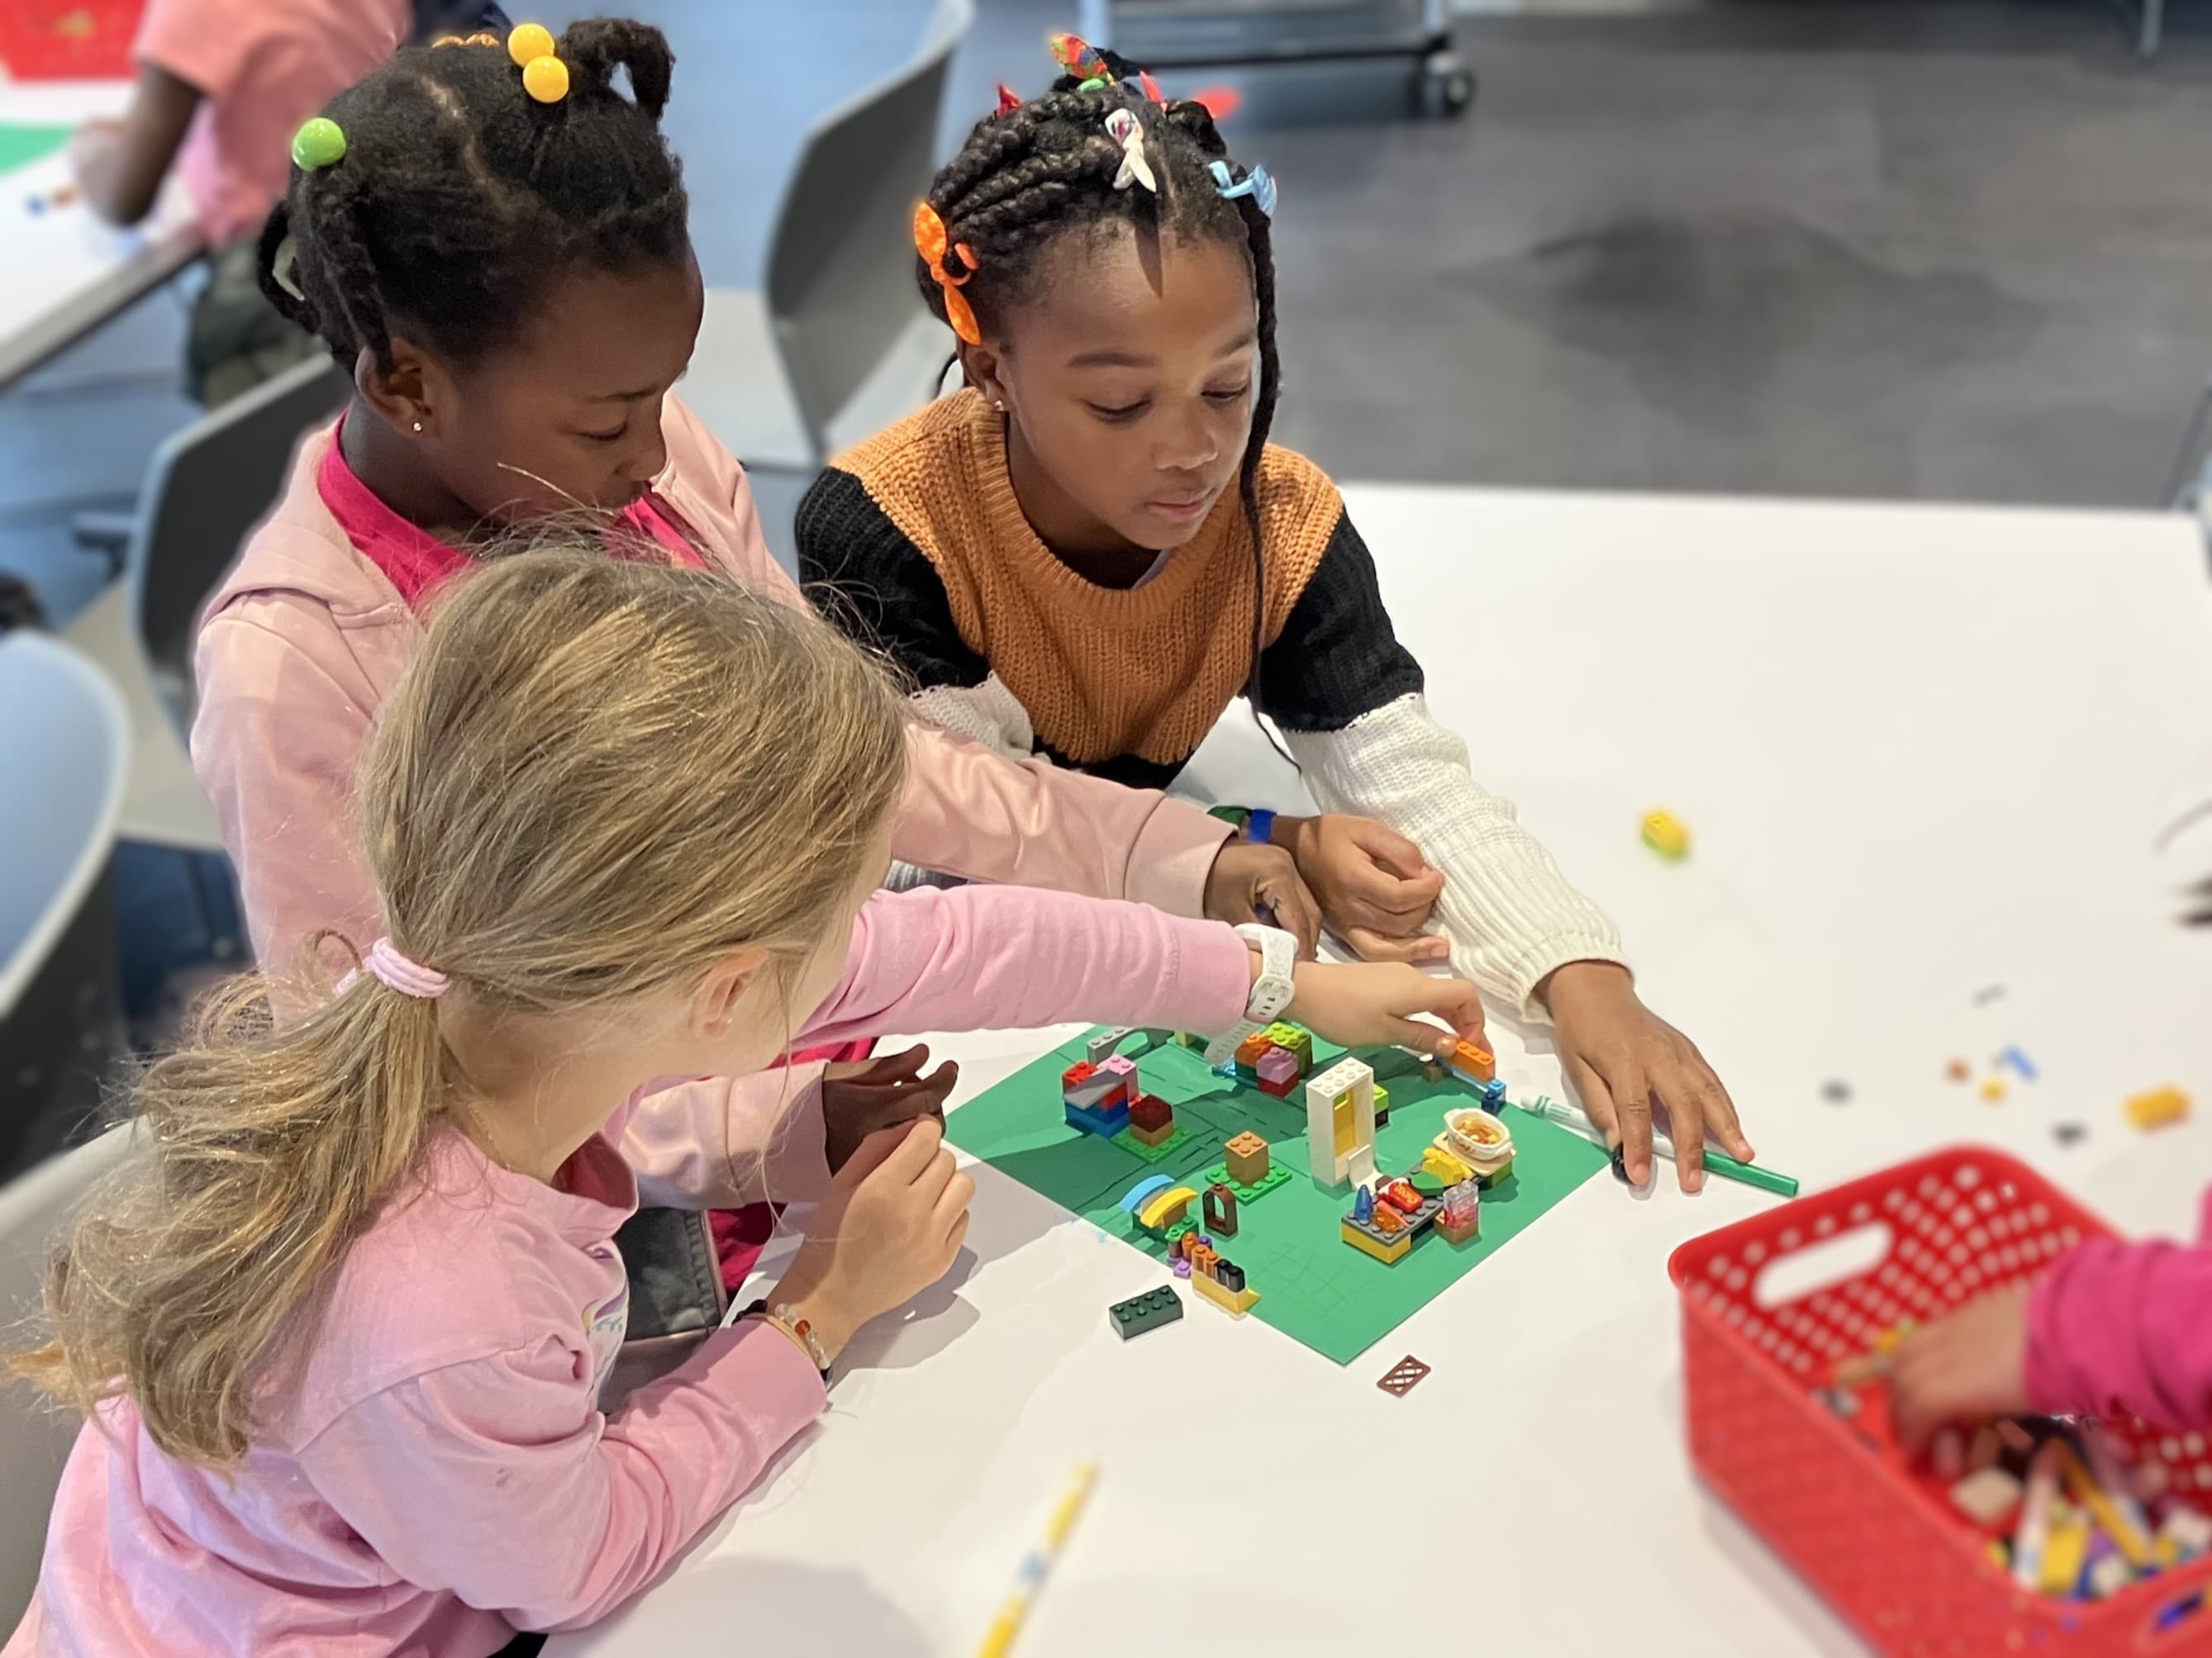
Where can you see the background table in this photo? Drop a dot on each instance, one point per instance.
(65, 272)
(1923, 752)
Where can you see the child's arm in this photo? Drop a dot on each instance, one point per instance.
(2115, 1329)
(1348, 697)
(499, 1481)
(120, 164)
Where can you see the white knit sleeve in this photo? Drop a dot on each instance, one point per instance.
(1510, 914)
(989, 712)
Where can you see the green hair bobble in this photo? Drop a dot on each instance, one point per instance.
(320, 142)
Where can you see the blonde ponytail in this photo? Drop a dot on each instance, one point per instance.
(600, 779)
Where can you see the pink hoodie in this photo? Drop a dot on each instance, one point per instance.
(442, 1473)
(306, 637)
(2126, 1329)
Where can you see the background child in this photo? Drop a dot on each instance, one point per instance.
(2111, 1329)
(1093, 549)
(344, 1314)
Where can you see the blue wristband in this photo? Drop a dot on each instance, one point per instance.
(1260, 825)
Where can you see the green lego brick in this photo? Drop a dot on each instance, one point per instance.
(1277, 1174)
(1146, 1312)
(1382, 1105)
(1186, 1225)
(1127, 1141)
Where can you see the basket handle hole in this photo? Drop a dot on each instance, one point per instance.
(1823, 1266)
(2183, 1611)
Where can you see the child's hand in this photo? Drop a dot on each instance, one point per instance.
(860, 1099)
(1251, 881)
(1623, 1059)
(1367, 1005)
(890, 1227)
(1966, 1368)
(1375, 887)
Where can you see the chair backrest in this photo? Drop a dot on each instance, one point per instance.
(36, 1439)
(207, 485)
(839, 283)
(65, 753)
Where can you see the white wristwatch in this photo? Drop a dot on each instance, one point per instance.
(1271, 991)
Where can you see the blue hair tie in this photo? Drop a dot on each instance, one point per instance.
(1259, 184)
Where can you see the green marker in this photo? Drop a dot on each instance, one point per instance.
(1568, 1117)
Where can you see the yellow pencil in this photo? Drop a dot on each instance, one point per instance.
(1035, 1563)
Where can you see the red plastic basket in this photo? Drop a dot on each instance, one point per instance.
(1881, 1545)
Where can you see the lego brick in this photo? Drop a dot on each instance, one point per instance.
(1428, 1183)
(1133, 1199)
(1248, 1191)
(1667, 835)
(1189, 1039)
(1403, 1377)
(1103, 1046)
(1493, 1094)
(1993, 1089)
(1248, 1051)
(1476, 1064)
(1148, 1311)
(1151, 1111)
(1163, 1210)
(2065, 1551)
(2019, 1062)
(1077, 1073)
(1294, 1038)
(1382, 1105)
(1456, 1233)
(1094, 1092)
(1340, 1122)
(1235, 1303)
(1172, 1139)
(1119, 1065)
(1987, 1497)
(2157, 1108)
(1487, 1174)
(1445, 1167)
(1959, 1071)
(1105, 1124)
(1218, 1209)
(1388, 1251)
(1277, 1064)
(1230, 1276)
(1247, 1159)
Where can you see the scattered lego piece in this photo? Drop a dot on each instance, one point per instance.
(2109, 1576)
(1235, 1302)
(2019, 1062)
(1987, 994)
(2157, 1108)
(1959, 1071)
(1363, 1204)
(1146, 1312)
(1667, 835)
(1993, 1089)
(1836, 1092)
(1247, 1158)
(1459, 1214)
(1103, 1046)
(1219, 1210)
(1433, 1068)
(2070, 1133)
(1988, 1496)
(1403, 1377)
(1340, 1123)
(1180, 1266)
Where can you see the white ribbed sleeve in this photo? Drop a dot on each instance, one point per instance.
(1510, 914)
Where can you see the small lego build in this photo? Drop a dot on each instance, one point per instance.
(1387, 1232)
(1277, 1073)
(1666, 835)
(1152, 1117)
(1959, 1071)
(1293, 1039)
(1472, 1064)
(1216, 1285)
(1247, 1158)
(1245, 1191)
(1103, 1047)
(1340, 1124)
(1146, 1312)
(2157, 1108)
(1480, 1141)
(1249, 1050)
(1459, 1215)
(1219, 1210)
(1988, 1496)
(2019, 1062)
(1993, 1089)
(1403, 1377)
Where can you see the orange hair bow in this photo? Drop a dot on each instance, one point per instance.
(932, 242)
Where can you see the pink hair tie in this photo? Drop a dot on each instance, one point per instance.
(407, 978)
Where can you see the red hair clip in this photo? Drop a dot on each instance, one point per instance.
(932, 241)
(1009, 100)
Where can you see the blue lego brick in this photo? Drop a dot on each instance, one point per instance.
(1146, 1312)
(1106, 1124)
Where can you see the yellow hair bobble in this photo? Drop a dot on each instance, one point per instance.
(528, 42)
(545, 79)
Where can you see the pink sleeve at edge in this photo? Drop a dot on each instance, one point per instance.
(2116, 1328)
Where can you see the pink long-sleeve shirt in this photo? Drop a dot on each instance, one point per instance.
(441, 1473)
(309, 633)
(2119, 1328)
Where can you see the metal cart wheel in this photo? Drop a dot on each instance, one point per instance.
(1444, 85)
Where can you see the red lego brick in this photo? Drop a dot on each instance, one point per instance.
(1150, 1111)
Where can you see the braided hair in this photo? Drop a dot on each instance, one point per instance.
(1045, 169)
(459, 198)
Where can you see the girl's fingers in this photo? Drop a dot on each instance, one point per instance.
(1393, 851)
(1372, 946)
(898, 1067)
(1458, 1003)
(1719, 1110)
(1285, 902)
(1672, 1088)
(1421, 1037)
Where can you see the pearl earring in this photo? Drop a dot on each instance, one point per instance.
(997, 405)
(418, 425)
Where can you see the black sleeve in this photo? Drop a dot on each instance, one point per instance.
(1337, 656)
(878, 587)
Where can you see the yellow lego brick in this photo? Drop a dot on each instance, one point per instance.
(1993, 1089)
(1666, 835)
(1235, 1305)
(1445, 1167)
(2065, 1547)
(2157, 1108)
(1384, 1252)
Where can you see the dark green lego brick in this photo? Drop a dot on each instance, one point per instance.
(1146, 1312)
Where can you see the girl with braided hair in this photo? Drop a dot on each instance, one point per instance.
(493, 240)
(1091, 550)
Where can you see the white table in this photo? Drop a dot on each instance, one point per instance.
(65, 272)
(1922, 750)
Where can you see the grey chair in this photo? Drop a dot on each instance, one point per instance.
(837, 343)
(206, 487)
(34, 1437)
(64, 750)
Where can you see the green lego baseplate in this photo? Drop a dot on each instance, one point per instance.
(1278, 1173)
(1314, 1287)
